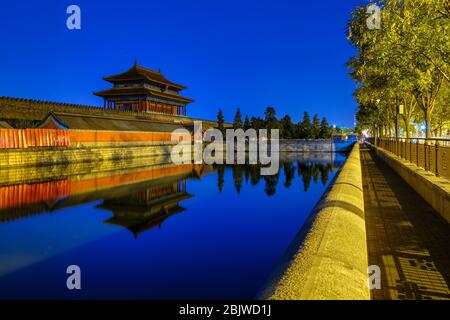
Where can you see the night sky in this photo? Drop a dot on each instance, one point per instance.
(251, 54)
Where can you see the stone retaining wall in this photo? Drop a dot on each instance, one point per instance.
(299, 145)
(46, 156)
(328, 258)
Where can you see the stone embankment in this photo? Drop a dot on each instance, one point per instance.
(328, 258)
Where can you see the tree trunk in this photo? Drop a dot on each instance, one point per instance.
(406, 121)
(427, 123)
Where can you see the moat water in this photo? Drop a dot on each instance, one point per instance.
(154, 232)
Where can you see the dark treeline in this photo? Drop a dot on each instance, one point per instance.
(305, 129)
(251, 174)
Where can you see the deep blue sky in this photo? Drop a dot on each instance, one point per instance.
(251, 54)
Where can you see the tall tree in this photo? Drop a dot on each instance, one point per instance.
(287, 128)
(306, 127)
(247, 124)
(315, 129)
(237, 122)
(405, 63)
(325, 130)
(271, 118)
(220, 121)
(257, 123)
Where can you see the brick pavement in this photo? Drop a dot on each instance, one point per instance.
(406, 237)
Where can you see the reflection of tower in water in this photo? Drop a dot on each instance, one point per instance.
(145, 209)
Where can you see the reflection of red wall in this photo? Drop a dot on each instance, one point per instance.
(23, 194)
(81, 186)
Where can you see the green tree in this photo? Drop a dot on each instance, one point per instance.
(315, 129)
(237, 122)
(247, 124)
(305, 127)
(257, 123)
(405, 63)
(325, 130)
(270, 119)
(441, 116)
(287, 128)
(220, 121)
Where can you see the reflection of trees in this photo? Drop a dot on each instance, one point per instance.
(325, 173)
(238, 170)
(255, 174)
(271, 184)
(289, 174)
(315, 173)
(246, 174)
(220, 176)
(306, 170)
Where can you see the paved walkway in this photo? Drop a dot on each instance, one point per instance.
(406, 237)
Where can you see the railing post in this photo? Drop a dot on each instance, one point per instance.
(436, 147)
(425, 155)
(417, 152)
(410, 151)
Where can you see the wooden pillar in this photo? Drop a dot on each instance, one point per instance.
(104, 103)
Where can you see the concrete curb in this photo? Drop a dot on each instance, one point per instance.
(328, 258)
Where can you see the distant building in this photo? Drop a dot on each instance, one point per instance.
(144, 90)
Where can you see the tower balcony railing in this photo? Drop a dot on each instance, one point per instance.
(431, 154)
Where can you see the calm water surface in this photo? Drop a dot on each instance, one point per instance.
(159, 232)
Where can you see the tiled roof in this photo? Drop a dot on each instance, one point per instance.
(94, 122)
(120, 91)
(137, 73)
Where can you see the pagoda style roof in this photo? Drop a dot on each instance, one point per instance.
(125, 91)
(66, 120)
(140, 73)
(142, 217)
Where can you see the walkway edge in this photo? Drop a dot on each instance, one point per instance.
(435, 190)
(329, 260)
